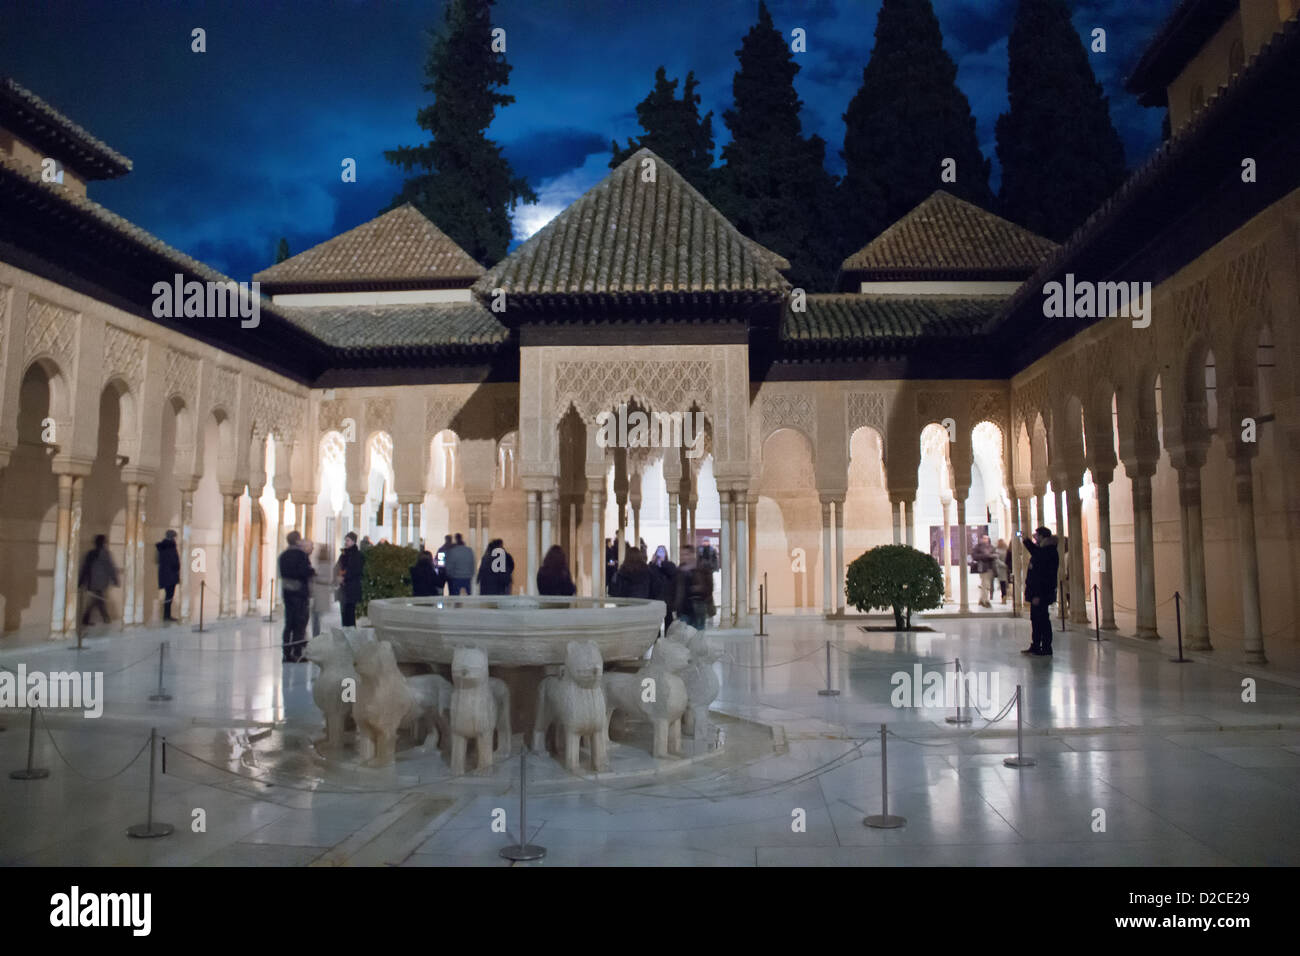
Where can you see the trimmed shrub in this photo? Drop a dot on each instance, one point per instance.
(895, 576)
(387, 574)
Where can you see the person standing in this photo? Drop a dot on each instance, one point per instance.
(496, 570)
(322, 587)
(1040, 589)
(460, 567)
(667, 572)
(635, 579)
(983, 561)
(98, 573)
(351, 567)
(553, 576)
(693, 591)
(424, 576)
(169, 572)
(295, 583)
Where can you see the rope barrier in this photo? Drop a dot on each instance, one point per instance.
(55, 744)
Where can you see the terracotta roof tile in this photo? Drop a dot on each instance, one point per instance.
(628, 237)
(402, 245)
(948, 238)
(25, 114)
(438, 326)
(887, 320)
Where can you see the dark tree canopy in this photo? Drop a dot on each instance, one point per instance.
(906, 118)
(773, 185)
(674, 130)
(464, 184)
(1060, 155)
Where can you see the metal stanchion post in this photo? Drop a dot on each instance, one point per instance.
(162, 694)
(524, 851)
(961, 685)
(149, 829)
(30, 772)
(1096, 614)
(203, 587)
(270, 604)
(1178, 616)
(828, 692)
(884, 820)
(762, 601)
(1019, 760)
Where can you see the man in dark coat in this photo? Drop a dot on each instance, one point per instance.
(440, 562)
(1040, 589)
(351, 567)
(98, 573)
(295, 582)
(496, 570)
(424, 576)
(169, 572)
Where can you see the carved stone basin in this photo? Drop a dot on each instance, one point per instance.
(515, 630)
(524, 637)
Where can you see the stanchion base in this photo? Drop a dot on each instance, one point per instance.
(1020, 762)
(957, 720)
(197, 630)
(36, 773)
(1181, 660)
(762, 634)
(884, 821)
(523, 853)
(145, 831)
(160, 696)
(828, 693)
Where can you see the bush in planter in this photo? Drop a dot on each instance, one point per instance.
(387, 574)
(898, 577)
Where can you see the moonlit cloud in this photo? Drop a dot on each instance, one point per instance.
(555, 195)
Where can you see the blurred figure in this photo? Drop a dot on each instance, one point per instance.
(460, 567)
(169, 572)
(982, 559)
(1040, 589)
(322, 588)
(667, 572)
(611, 562)
(98, 573)
(350, 569)
(553, 576)
(424, 576)
(693, 592)
(636, 579)
(496, 570)
(295, 582)
(1002, 566)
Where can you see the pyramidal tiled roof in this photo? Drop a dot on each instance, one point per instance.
(948, 238)
(639, 240)
(401, 246)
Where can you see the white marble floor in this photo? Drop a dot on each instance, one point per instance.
(1140, 762)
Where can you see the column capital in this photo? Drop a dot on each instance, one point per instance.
(68, 465)
(135, 475)
(234, 489)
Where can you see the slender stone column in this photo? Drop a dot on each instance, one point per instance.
(1013, 547)
(229, 515)
(827, 557)
(1144, 554)
(742, 558)
(141, 567)
(597, 516)
(909, 522)
(963, 577)
(1101, 479)
(256, 544)
(64, 559)
(532, 507)
(724, 556)
(548, 520)
(1248, 563)
(895, 513)
(674, 534)
(753, 552)
(187, 546)
(74, 552)
(278, 544)
(1061, 527)
(485, 522)
(304, 520)
(358, 502)
(417, 521)
(129, 561)
(839, 556)
(1018, 555)
(1195, 616)
(1078, 602)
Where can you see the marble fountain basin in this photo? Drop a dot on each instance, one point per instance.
(515, 630)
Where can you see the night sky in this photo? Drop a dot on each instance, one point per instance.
(240, 145)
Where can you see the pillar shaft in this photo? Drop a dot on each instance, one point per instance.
(673, 533)
(1101, 481)
(963, 575)
(254, 557)
(142, 586)
(548, 520)
(742, 558)
(64, 558)
(839, 556)
(1144, 556)
(129, 568)
(909, 522)
(533, 565)
(724, 558)
(827, 557)
(1078, 602)
(1195, 618)
(895, 512)
(597, 516)
(946, 551)
(752, 547)
(1248, 564)
(187, 544)
(229, 513)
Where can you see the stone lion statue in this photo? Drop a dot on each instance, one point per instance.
(430, 708)
(383, 702)
(574, 703)
(480, 705)
(681, 632)
(330, 652)
(655, 693)
(702, 685)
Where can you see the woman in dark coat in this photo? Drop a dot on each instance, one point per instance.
(635, 579)
(490, 579)
(553, 576)
(169, 571)
(351, 567)
(424, 576)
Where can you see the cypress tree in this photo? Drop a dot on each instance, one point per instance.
(773, 186)
(674, 130)
(465, 185)
(282, 250)
(906, 118)
(1060, 155)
